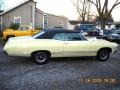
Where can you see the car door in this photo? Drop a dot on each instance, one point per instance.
(76, 44)
(57, 44)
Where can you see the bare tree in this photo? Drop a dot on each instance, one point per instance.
(2, 2)
(103, 10)
(83, 9)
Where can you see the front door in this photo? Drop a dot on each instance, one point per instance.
(75, 44)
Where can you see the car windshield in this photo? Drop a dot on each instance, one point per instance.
(23, 28)
(85, 27)
(38, 34)
(106, 32)
(116, 32)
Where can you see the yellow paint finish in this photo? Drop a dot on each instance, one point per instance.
(16, 33)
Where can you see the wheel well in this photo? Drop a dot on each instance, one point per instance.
(48, 52)
(10, 36)
(106, 48)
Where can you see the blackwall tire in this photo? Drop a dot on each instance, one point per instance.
(40, 57)
(103, 55)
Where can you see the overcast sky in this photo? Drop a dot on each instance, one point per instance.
(59, 7)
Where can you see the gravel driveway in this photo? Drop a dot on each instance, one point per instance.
(18, 73)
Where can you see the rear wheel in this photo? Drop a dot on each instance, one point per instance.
(103, 55)
(40, 57)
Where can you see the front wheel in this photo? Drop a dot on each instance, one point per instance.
(103, 55)
(40, 58)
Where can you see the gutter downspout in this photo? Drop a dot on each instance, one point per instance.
(1, 22)
(33, 16)
(43, 20)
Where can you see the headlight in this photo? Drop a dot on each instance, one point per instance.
(117, 46)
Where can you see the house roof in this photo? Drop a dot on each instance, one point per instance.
(16, 6)
(39, 11)
(8, 10)
(56, 15)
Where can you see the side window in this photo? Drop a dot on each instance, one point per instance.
(76, 37)
(67, 36)
(73, 37)
(26, 28)
(58, 36)
(20, 28)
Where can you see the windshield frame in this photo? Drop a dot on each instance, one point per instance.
(38, 34)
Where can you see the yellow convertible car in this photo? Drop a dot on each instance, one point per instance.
(58, 43)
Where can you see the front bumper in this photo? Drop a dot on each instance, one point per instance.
(116, 51)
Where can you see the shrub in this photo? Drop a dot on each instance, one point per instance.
(38, 28)
(14, 26)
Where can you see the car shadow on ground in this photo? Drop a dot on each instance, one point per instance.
(73, 59)
(29, 61)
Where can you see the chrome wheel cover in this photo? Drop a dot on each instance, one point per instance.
(103, 54)
(40, 57)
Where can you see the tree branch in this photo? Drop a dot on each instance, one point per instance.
(115, 4)
(93, 3)
(1, 3)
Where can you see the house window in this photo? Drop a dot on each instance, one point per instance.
(60, 23)
(17, 20)
(46, 22)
